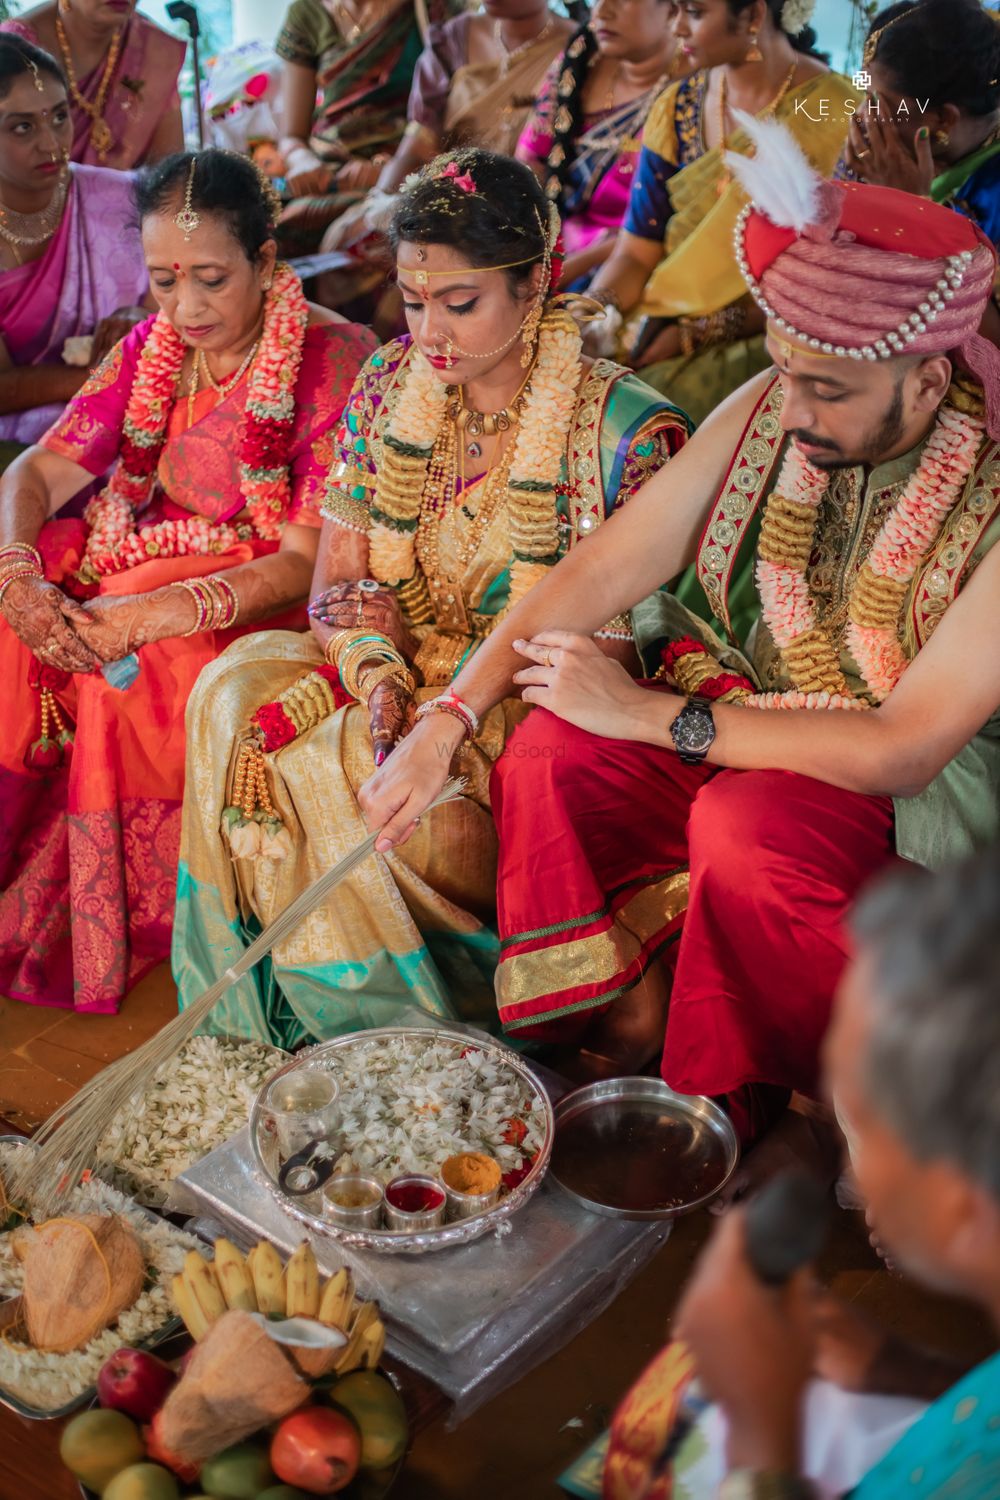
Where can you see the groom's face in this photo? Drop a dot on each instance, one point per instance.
(842, 412)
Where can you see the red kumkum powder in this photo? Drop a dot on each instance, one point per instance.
(414, 1197)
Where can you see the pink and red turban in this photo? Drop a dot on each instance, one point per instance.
(864, 272)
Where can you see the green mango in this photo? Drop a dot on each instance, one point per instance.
(238, 1473)
(376, 1407)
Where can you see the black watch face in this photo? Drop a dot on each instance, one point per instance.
(693, 730)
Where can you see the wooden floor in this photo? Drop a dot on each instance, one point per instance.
(515, 1447)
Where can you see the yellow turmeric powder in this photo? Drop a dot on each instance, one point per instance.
(471, 1172)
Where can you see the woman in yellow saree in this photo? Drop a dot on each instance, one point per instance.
(673, 267)
(474, 453)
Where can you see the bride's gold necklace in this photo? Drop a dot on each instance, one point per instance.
(478, 424)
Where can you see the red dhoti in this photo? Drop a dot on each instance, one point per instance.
(614, 854)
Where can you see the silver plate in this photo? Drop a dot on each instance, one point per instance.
(632, 1148)
(152, 1341)
(385, 1241)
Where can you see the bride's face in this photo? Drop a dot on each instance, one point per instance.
(466, 322)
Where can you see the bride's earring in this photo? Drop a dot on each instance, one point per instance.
(754, 54)
(529, 332)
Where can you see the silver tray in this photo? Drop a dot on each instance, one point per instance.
(632, 1148)
(396, 1242)
(153, 1341)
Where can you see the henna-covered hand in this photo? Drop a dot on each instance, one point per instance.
(346, 606)
(114, 625)
(882, 152)
(36, 612)
(391, 710)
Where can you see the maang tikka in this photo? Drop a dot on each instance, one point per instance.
(188, 220)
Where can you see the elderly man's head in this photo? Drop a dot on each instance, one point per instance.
(913, 1062)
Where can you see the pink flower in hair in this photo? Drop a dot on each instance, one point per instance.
(463, 181)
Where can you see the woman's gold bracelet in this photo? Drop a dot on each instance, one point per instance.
(371, 679)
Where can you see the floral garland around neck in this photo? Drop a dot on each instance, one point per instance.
(787, 540)
(115, 542)
(535, 471)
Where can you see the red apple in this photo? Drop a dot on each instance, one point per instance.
(134, 1382)
(158, 1452)
(317, 1450)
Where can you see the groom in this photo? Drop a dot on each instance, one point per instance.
(723, 820)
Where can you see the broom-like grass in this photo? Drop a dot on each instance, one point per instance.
(69, 1138)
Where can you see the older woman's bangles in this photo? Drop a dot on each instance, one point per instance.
(216, 601)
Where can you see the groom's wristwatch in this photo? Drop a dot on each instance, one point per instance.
(693, 731)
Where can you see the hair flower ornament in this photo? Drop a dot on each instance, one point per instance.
(461, 180)
(796, 15)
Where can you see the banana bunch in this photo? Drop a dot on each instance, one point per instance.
(260, 1283)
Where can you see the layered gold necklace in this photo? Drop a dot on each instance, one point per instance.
(30, 230)
(100, 131)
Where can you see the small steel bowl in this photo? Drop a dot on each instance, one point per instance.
(469, 1205)
(368, 1216)
(418, 1219)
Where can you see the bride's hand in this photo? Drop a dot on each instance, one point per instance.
(346, 606)
(394, 799)
(391, 709)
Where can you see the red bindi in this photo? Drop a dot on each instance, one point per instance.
(177, 265)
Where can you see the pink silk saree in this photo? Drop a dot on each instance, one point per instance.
(142, 89)
(606, 153)
(93, 265)
(88, 852)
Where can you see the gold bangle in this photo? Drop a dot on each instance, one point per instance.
(202, 602)
(343, 639)
(226, 601)
(352, 662)
(371, 679)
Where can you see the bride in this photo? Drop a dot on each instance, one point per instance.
(474, 452)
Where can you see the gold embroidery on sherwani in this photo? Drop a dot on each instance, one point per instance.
(947, 569)
(598, 959)
(742, 491)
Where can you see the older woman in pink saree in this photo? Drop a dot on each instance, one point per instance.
(71, 262)
(220, 413)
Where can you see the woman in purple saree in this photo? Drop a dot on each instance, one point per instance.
(71, 264)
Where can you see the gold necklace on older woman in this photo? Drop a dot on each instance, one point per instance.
(100, 131)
